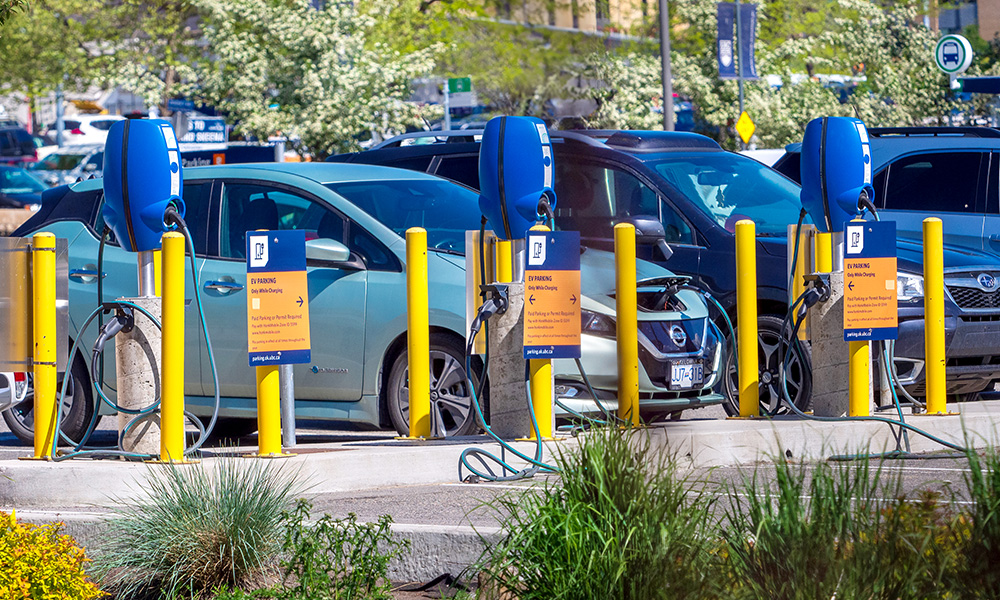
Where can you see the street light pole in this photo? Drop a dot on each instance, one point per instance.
(668, 86)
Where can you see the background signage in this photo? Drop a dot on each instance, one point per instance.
(277, 298)
(552, 295)
(870, 309)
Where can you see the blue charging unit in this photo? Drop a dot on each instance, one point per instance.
(142, 177)
(515, 171)
(836, 169)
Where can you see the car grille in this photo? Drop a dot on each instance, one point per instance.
(973, 298)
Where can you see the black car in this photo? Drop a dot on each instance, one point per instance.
(698, 191)
(16, 146)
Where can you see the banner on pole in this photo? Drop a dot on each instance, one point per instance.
(726, 48)
(747, 41)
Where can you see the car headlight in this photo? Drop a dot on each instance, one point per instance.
(598, 324)
(909, 286)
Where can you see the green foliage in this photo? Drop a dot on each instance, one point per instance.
(197, 529)
(622, 524)
(10, 7)
(40, 563)
(979, 576)
(835, 531)
(335, 559)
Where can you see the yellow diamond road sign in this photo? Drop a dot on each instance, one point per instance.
(745, 127)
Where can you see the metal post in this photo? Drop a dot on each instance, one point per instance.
(626, 311)
(43, 255)
(418, 333)
(172, 348)
(447, 107)
(279, 150)
(286, 377)
(824, 252)
(739, 55)
(935, 380)
(668, 84)
(60, 122)
(505, 265)
(147, 274)
(746, 311)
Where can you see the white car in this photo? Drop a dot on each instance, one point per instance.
(13, 389)
(85, 129)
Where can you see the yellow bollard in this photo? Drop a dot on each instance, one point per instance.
(268, 412)
(418, 345)
(172, 348)
(824, 252)
(746, 313)
(935, 378)
(859, 387)
(43, 254)
(540, 384)
(505, 261)
(158, 273)
(627, 329)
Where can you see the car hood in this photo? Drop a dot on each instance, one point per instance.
(910, 254)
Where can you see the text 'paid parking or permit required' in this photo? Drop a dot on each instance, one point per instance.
(277, 298)
(552, 295)
(870, 309)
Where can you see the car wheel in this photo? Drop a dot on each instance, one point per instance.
(77, 407)
(230, 428)
(798, 375)
(452, 412)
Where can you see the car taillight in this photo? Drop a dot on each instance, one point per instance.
(20, 377)
(76, 131)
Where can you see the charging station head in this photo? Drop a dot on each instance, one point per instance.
(142, 177)
(836, 168)
(515, 171)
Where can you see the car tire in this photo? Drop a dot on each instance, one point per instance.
(77, 408)
(798, 376)
(451, 393)
(230, 428)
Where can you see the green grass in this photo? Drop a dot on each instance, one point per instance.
(198, 528)
(979, 575)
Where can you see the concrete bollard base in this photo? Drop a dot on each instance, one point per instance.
(137, 364)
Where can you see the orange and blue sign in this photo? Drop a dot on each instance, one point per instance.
(277, 298)
(552, 295)
(870, 308)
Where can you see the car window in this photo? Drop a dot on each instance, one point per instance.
(6, 143)
(591, 198)
(463, 169)
(250, 206)
(19, 181)
(58, 162)
(416, 163)
(102, 125)
(444, 209)
(943, 181)
(729, 187)
(197, 199)
(97, 160)
(993, 185)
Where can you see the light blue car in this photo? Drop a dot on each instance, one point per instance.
(354, 217)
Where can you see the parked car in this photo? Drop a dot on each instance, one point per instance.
(16, 146)
(951, 173)
(698, 191)
(70, 164)
(357, 306)
(13, 389)
(19, 188)
(44, 145)
(85, 129)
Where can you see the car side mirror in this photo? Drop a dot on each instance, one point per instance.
(649, 232)
(327, 250)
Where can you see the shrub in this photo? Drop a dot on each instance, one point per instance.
(40, 563)
(979, 576)
(620, 525)
(198, 529)
(335, 559)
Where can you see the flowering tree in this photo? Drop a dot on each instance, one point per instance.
(284, 67)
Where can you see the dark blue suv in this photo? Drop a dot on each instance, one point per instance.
(698, 191)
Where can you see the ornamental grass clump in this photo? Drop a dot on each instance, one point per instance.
(837, 531)
(40, 562)
(198, 528)
(979, 576)
(621, 523)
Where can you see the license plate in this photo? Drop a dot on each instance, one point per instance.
(686, 375)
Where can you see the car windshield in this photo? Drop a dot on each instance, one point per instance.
(19, 181)
(729, 187)
(59, 162)
(444, 209)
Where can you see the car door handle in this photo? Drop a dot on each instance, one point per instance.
(223, 287)
(85, 275)
(995, 238)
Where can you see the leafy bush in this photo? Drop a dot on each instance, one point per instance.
(844, 531)
(335, 559)
(622, 524)
(39, 562)
(198, 529)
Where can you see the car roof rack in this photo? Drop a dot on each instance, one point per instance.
(451, 136)
(977, 132)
